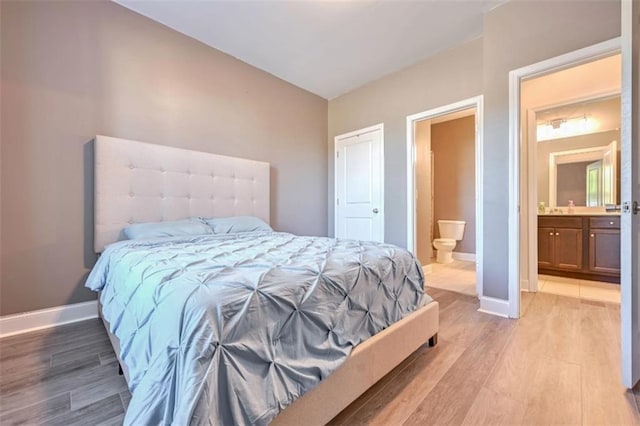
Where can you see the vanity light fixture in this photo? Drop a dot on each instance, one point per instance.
(566, 127)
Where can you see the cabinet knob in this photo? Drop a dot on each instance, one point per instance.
(557, 233)
(551, 233)
(610, 223)
(592, 235)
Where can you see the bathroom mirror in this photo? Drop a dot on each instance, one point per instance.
(577, 153)
(588, 176)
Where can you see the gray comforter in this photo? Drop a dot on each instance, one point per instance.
(232, 329)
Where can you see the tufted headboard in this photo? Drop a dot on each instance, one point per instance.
(140, 182)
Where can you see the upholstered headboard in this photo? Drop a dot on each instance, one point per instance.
(140, 182)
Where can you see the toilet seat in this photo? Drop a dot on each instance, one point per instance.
(444, 249)
(445, 242)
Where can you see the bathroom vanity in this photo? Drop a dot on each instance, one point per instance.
(580, 246)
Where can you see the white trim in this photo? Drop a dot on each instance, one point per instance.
(467, 257)
(376, 127)
(493, 306)
(516, 76)
(476, 102)
(530, 216)
(46, 318)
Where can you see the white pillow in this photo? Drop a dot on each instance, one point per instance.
(235, 224)
(174, 228)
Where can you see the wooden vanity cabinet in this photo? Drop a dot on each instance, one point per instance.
(604, 245)
(560, 243)
(586, 247)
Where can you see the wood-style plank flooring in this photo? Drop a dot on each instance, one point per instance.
(559, 364)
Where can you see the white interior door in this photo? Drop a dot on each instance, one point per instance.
(630, 193)
(359, 185)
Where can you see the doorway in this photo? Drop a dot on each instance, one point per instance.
(444, 180)
(549, 95)
(521, 205)
(570, 244)
(359, 184)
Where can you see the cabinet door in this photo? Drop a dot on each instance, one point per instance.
(604, 251)
(546, 250)
(568, 248)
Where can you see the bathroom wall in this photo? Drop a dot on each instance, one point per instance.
(567, 144)
(424, 231)
(453, 146)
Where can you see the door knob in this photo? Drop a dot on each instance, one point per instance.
(375, 211)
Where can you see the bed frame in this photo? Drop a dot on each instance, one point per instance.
(139, 182)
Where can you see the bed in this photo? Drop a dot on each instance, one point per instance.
(195, 353)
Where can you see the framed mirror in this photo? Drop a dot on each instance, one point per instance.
(588, 176)
(578, 153)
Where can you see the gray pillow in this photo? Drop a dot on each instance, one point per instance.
(231, 225)
(176, 228)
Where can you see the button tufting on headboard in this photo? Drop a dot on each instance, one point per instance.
(129, 189)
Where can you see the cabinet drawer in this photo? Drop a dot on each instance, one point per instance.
(560, 222)
(604, 222)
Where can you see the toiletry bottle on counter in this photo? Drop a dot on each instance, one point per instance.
(541, 208)
(572, 207)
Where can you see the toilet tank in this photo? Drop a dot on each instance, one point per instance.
(453, 229)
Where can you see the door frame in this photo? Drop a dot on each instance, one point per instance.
(558, 63)
(474, 102)
(336, 141)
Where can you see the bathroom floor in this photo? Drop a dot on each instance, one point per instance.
(583, 289)
(460, 276)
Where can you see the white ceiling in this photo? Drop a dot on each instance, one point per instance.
(326, 47)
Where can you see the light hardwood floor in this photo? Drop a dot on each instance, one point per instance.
(559, 364)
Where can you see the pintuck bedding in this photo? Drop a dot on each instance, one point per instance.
(231, 329)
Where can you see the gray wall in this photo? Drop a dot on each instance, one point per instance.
(568, 144)
(71, 70)
(516, 34)
(445, 78)
(453, 144)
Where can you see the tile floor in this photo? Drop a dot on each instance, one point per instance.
(460, 276)
(583, 289)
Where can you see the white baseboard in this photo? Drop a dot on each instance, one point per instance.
(45, 318)
(468, 257)
(524, 285)
(493, 306)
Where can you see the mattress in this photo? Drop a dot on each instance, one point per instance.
(232, 329)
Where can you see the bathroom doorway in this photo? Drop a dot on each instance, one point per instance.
(444, 148)
(570, 244)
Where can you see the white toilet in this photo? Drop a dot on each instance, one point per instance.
(451, 231)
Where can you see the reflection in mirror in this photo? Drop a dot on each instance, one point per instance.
(586, 176)
(579, 162)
